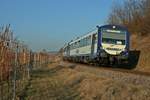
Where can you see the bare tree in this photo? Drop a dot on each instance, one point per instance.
(134, 14)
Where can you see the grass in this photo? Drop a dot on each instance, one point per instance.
(45, 84)
(143, 46)
(63, 83)
(6, 89)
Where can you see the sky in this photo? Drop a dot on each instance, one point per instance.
(49, 24)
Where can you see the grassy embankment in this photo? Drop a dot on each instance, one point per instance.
(142, 46)
(63, 83)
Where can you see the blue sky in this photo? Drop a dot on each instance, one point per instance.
(50, 24)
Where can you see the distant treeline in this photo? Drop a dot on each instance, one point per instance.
(134, 14)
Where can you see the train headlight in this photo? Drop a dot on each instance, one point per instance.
(125, 53)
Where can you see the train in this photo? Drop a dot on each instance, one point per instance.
(108, 44)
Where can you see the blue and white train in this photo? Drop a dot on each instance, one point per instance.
(108, 44)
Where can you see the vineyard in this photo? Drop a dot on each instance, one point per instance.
(16, 63)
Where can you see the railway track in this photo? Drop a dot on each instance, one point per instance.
(118, 74)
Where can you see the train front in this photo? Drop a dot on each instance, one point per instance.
(114, 43)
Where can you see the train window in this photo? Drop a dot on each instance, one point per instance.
(89, 40)
(82, 43)
(78, 44)
(75, 45)
(71, 46)
(96, 38)
(85, 41)
(113, 41)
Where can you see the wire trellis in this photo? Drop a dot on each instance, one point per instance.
(16, 64)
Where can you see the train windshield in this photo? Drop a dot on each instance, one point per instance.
(113, 36)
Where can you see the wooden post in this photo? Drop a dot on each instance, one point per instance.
(15, 72)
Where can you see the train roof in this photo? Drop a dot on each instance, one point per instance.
(65, 45)
(113, 26)
(109, 26)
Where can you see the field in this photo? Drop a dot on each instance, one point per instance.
(68, 83)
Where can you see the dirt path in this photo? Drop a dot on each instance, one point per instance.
(129, 76)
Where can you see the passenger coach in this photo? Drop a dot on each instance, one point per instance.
(107, 44)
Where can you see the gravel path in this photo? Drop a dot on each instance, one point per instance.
(123, 76)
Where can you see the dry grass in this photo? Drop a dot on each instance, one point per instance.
(47, 85)
(142, 44)
(63, 83)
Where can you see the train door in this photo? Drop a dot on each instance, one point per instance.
(93, 44)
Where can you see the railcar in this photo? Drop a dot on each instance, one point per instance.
(107, 44)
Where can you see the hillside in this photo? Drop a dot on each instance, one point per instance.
(142, 47)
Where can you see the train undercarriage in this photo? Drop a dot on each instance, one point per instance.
(108, 60)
